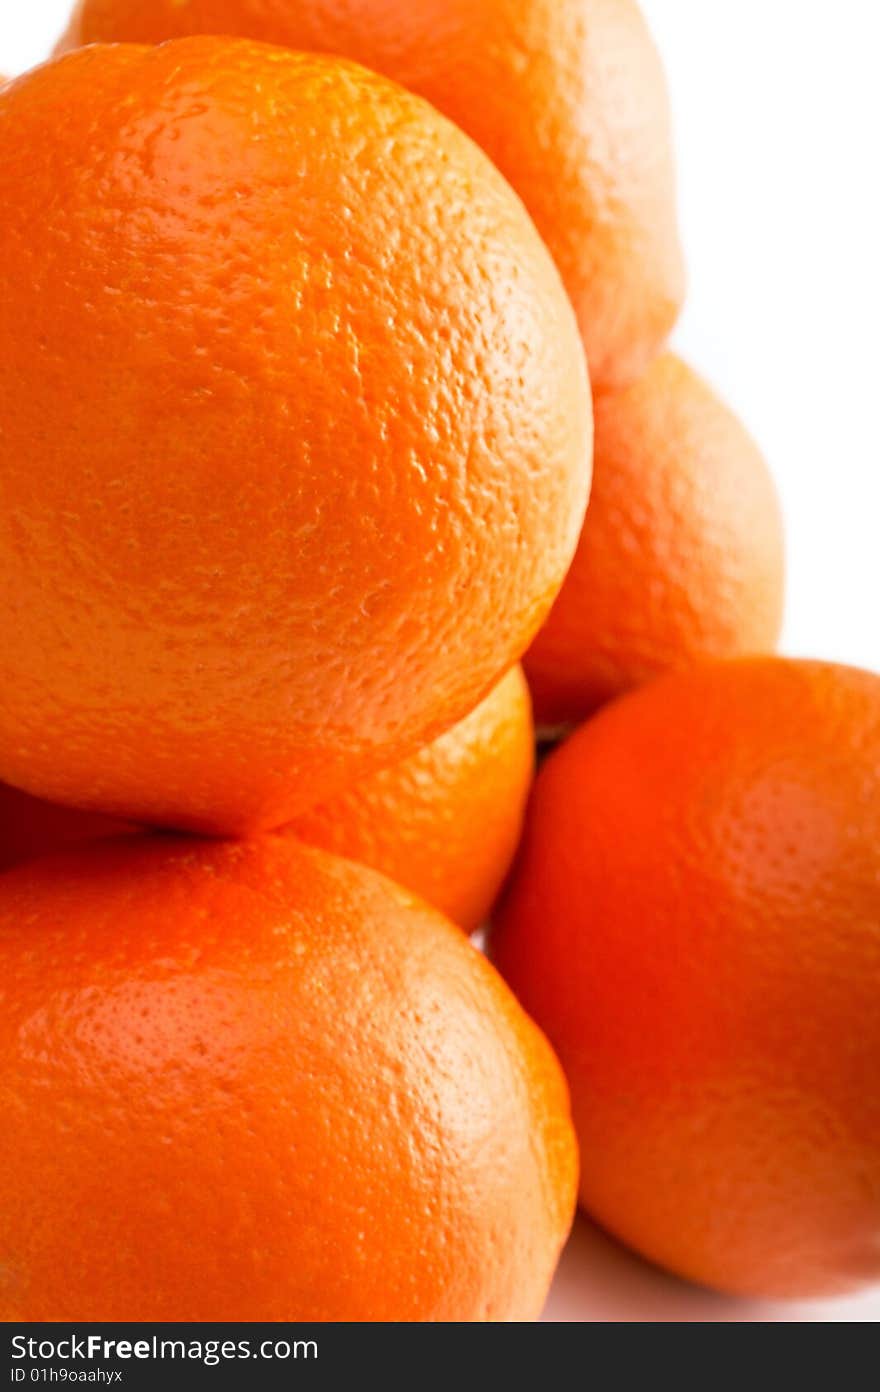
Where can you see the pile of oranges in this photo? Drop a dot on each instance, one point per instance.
(316, 320)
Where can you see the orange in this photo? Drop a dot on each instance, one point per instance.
(681, 556)
(31, 827)
(256, 1082)
(295, 430)
(446, 821)
(695, 921)
(568, 97)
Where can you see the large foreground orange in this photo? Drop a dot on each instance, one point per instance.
(695, 921)
(256, 1082)
(296, 430)
(681, 558)
(568, 98)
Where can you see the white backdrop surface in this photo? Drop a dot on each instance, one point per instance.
(777, 115)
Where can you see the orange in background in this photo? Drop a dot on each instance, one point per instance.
(695, 922)
(445, 822)
(682, 553)
(567, 97)
(296, 430)
(256, 1082)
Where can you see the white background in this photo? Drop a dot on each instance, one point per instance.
(777, 114)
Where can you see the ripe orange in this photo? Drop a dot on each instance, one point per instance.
(256, 1082)
(296, 430)
(446, 821)
(31, 827)
(695, 921)
(568, 98)
(681, 556)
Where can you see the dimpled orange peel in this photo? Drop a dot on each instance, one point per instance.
(256, 1082)
(295, 430)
